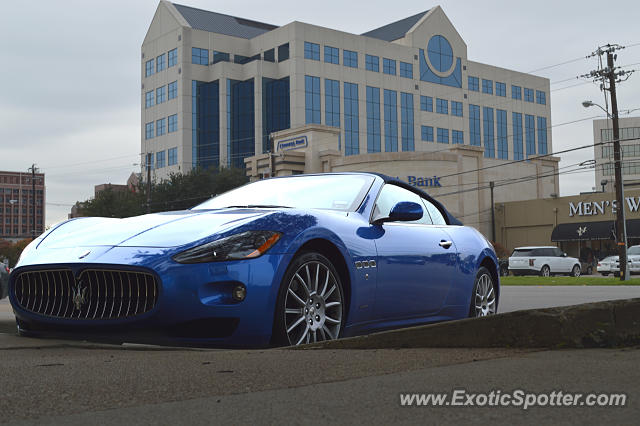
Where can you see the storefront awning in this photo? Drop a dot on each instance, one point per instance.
(602, 230)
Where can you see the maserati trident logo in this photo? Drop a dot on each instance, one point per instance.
(581, 230)
(85, 254)
(79, 295)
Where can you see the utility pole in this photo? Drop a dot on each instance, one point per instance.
(493, 214)
(149, 182)
(33, 169)
(608, 77)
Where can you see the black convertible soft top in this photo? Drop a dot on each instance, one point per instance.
(451, 220)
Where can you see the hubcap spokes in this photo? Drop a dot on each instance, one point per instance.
(485, 297)
(313, 305)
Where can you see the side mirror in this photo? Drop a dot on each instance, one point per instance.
(404, 211)
(564, 254)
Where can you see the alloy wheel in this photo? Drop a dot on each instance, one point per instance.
(485, 296)
(313, 305)
(545, 271)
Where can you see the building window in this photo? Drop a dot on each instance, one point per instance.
(542, 135)
(148, 130)
(373, 119)
(350, 58)
(390, 121)
(406, 121)
(442, 106)
(426, 103)
(199, 56)
(173, 156)
(331, 55)
(528, 95)
(283, 52)
(160, 95)
(148, 68)
(332, 103)
(160, 63)
(221, 57)
(501, 89)
(487, 86)
(173, 123)
(269, 55)
(241, 59)
(530, 134)
(160, 126)
(173, 89)
(406, 70)
(372, 63)
(443, 135)
(489, 144)
(456, 108)
(276, 108)
(351, 123)
(173, 57)
(457, 137)
(541, 97)
(426, 133)
(516, 92)
(311, 51)
(160, 160)
(312, 99)
(517, 136)
(389, 66)
(148, 99)
(503, 145)
(474, 125)
(474, 83)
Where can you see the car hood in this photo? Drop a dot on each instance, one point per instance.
(168, 229)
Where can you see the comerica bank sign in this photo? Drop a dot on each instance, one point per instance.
(424, 181)
(594, 208)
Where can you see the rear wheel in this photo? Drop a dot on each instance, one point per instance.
(575, 272)
(545, 271)
(310, 306)
(483, 299)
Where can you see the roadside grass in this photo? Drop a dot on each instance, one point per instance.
(563, 280)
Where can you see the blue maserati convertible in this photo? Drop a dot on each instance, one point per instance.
(283, 261)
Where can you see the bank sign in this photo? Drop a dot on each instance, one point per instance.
(293, 143)
(421, 181)
(595, 208)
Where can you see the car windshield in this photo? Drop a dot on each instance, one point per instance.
(342, 192)
(634, 250)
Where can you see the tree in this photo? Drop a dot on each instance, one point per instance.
(12, 251)
(113, 203)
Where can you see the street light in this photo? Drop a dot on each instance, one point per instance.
(619, 186)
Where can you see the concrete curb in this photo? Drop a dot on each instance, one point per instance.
(602, 324)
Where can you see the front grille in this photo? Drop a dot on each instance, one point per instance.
(95, 294)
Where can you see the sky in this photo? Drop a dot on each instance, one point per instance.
(70, 72)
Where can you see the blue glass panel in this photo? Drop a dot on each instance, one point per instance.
(541, 97)
(148, 99)
(440, 53)
(312, 99)
(389, 66)
(474, 125)
(457, 137)
(173, 156)
(528, 95)
(311, 51)
(351, 119)
(173, 123)
(454, 79)
(456, 108)
(331, 55)
(173, 57)
(350, 58)
(426, 103)
(442, 106)
(542, 135)
(390, 121)
(530, 134)
(517, 136)
(160, 160)
(276, 111)
(516, 92)
(426, 133)
(487, 86)
(473, 83)
(503, 145)
(501, 89)
(443, 135)
(489, 144)
(406, 121)
(332, 102)
(173, 89)
(242, 121)
(199, 56)
(372, 63)
(373, 119)
(406, 70)
(148, 68)
(206, 124)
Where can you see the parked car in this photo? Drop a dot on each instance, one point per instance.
(633, 259)
(4, 281)
(286, 260)
(604, 266)
(544, 261)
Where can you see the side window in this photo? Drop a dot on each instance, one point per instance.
(436, 216)
(558, 252)
(390, 195)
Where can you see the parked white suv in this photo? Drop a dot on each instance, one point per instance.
(633, 259)
(542, 261)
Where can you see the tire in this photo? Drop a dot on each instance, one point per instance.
(604, 274)
(504, 271)
(589, 270)
(575, 272)
(483, 298)
(310, 305)
(545, 271)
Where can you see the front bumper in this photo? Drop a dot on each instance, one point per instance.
(194, 305)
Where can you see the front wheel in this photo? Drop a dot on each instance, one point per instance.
(545, 271)
(575, 272)
(310, 306)
(483, 299)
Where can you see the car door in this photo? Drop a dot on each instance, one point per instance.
(416, 260)
(563, 264)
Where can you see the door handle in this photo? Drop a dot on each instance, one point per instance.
(445, 244)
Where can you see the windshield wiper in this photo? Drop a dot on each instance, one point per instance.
(258, 206)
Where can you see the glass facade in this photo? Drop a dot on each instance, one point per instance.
(457, 137)
(442, 106)
(426, 103)
(426, 133)
(501, 126)
(456, 108)
(389, 66)
(332, 102)
(530, 134)
(473, 83)
(489, 144)
(542, 135)
(241, 121)
(311, 51)
(351, 119)
(372, 63)
(311, 99)
(173, 57)
(276, 110)
(443, 135)
(331, 55)
(205, 123)
(517, 136)
(390, 120)
(516, 92)
(350, 58)
(373, 119)
(199, 56)
(172, 154)
(406, 121)
(487, 86)
(173, 89)
(474, 125)
(501, 89)
(406, 70)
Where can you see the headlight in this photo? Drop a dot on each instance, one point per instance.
(247, 245)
